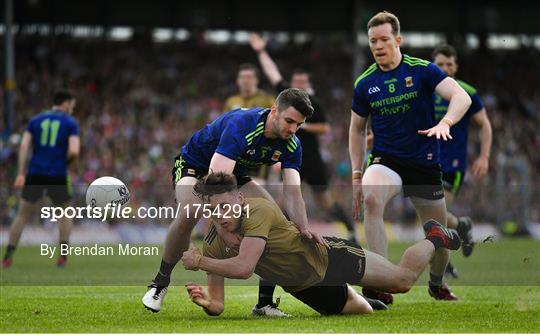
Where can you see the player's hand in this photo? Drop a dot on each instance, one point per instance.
(191, 259)
(357, 197)
(198, 295)
(440, 131)
(19, 181)
(257, 43)
(311, 235)
(480, 167)
(232, 240)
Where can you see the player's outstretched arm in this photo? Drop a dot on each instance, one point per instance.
(211, 300)
(26, 142)
(357, 153)
(270, 69)
(481, 164)
(239, 267)
(459, 100)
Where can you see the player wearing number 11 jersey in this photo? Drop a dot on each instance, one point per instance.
(54, 138)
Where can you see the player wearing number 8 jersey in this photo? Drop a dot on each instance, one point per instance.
(54, 138)
(397, 92)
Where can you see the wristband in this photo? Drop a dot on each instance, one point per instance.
(357, 174)
(448, 121)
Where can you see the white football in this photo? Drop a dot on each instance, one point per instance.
(107, 190)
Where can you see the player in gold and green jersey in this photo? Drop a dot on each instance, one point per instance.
(274, 249)
(249, 95)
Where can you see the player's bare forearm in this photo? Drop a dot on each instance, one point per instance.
(23, 155)
(459, 103)
(26, 142)
(270, 68)
(216, 295)
(234, 267)
(295, 206)
(357, 143)
(239, 267)
(74, 150)
(486, 133)
(459, 100)
(294, 202)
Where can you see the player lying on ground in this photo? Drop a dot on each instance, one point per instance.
(234, 143)
(273, 248)
(318, 179)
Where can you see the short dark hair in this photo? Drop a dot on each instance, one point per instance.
(446, 50)
(293, 97)
(385, 17)
(215, 183)
(61, 96)
(250, 67)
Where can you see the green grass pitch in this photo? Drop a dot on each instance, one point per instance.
(499, 290)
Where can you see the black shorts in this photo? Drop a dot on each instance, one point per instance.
(57, 188)
(422, 181)
(183, 169)
(313, 171)
(452, 181)
(346, 265)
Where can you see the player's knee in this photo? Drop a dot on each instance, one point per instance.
(405, 284)
(372, 203)
(404, 288)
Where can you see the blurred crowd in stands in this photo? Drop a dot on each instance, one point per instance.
(138, 103)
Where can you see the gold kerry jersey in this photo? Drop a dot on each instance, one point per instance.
(261, 99)
(288, 260)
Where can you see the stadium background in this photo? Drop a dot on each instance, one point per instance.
(147, 75)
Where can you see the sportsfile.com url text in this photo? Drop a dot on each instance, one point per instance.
(110, 211)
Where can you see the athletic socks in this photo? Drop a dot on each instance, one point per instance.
(266, 293)
(163, 277)
(435, 281)
(9, 251)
